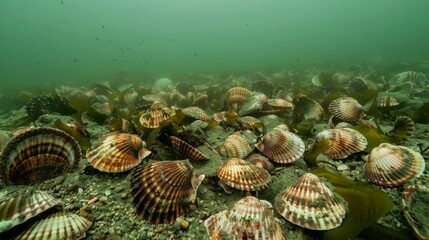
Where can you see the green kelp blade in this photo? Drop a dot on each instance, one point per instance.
(84, 141)
(373, 135)
(365, 202)
(311, 155)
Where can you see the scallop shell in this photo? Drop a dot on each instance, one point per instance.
(358, 85)
(417, 78)
(403, 129)
(37, 154)
(242, 175)
(249, 122)
(186, 151)
(310, 204)
(281, 146)
(252, 103)
(18, 207)
(281, 93)
(307, 109)
(235, 97)
(342, 142)
(347, 109)
(264, 87)
(390, 166)
(155, 115)
(117, 152)
(414, 198)
(58, 226)
(195, 112)
(235, 146)
(261, 161)
(387, 102)
(163, 191)
(248, 218)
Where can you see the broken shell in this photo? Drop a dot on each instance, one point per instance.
(390, 166)
(185, 151)
(310, 204)
(281, 146)
(235, 97)
(155, 115)
(163, 191)
(18, 207)
(248, 218)
(346, 109)
(252, 103)
(342, 142)
(58, 226)
(235, 146)
(415, 209)
(117, 152)
(307, 109)
(37, 154)
(242, 175)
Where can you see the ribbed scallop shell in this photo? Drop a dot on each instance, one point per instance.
(417, 78)
(390, 166)
(309, 203)
(163, 191)
(16, 208)
(57, 226)
(403, 129)
(155, 115)
(308, 108)
(248, 218)
(195, 112)
(252, 103)
(264, 87)
(37, 154)
(242, 175)
(261, 161)
(281, 146)
(346, 109)
(342, 142)
(386, 102)
(358, 85)
(414, 206)
(235, 146)
(235, 97)
(117, 152)
(185, 151)
(281, 93)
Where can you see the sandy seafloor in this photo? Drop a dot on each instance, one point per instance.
(115, 217)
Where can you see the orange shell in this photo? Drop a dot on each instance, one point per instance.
(163, 191)
(185, 151)
(346, 109)
(242, 175)
(117, 152)
(310, 204)
(235, 146)
(342, 142)
(155, 115)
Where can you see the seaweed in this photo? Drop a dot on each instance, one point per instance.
(82, 137)
(374, 136)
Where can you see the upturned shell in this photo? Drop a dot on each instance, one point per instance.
(390, 166)
(57, 226)
(195, 113)
(415, 208)
(18, 207)
(163, 191)
(235, 97)
(242, 175)
(155, 115)
(185, 151)
(235, 146)
(252, 103)
(346, 109)
(117, 152)
(281, 146)
(248, 218)
(309, 203)
(342, 142)
(37, 154)
(307, 109)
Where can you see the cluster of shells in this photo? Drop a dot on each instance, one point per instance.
(236, 136)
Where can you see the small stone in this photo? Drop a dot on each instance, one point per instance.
(119, 189)
(60, 179)
(80, 190)
(183, 223)
(159, 230)
(342, 167)
(123, 195)
(107, 192)
(176, 226)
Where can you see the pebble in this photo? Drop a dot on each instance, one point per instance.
(107, 192)
(342, 167)
(159, 230)
(60, 179)
(183, 223)
(123, 195)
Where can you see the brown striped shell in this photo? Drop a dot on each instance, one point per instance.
(346, 109)
(358, 85)
(391, 166)
(155, 115)
(403, 129)
(57, 226)
(117, 152)
(242, 175)
(235, 146)
(38, 154)
(248, 218)
(415, 208)
(281, 146)
(264, 87)
(261, 161)
(186, 151)
(342, 142)
(163, 191)
(310, 204)
(235, 97)
(252, 103)
(18, 207)
(195, 113)
(307, 108)
(387, 102)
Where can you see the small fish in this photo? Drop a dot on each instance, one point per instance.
(195, 54)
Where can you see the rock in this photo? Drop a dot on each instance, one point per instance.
(60, 179)
(342, 167)
(183, 223)
(107, 192)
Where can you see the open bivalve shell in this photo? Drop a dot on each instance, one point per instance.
(347, 109)
(342, 142)
(163, 191)
(58, 226)
(20, 206)
(235, 146)
(416, 210)
(252, 103)
(185, 151)
(242, 175)
(281, 146)
(310, 204)
(38, 154)
(248, 218)
(117, 152)
(391, 166)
